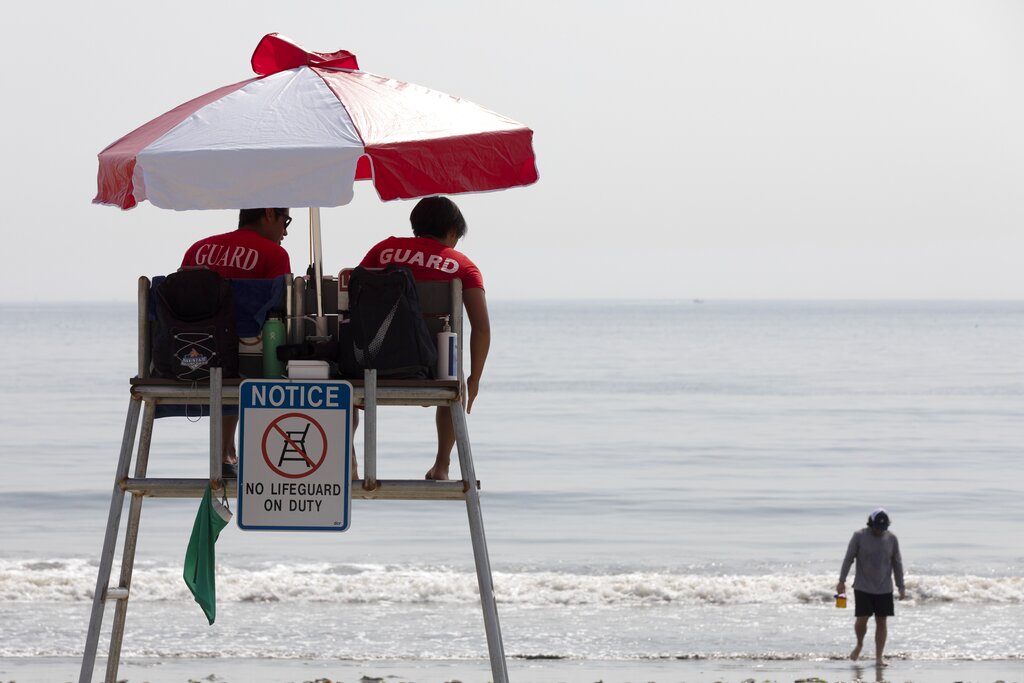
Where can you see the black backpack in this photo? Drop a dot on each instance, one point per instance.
(195, 326)
(385, 329)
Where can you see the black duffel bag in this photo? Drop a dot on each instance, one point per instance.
(385, 329)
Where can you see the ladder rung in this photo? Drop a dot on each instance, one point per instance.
(117, 594)
(386, 489)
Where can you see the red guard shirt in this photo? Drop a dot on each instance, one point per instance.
(240, 254)
(427, 258)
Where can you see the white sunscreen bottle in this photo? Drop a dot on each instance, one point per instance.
(447, 352)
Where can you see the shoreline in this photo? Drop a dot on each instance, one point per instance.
(145, 670)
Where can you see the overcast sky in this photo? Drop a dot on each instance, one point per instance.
(795, 149)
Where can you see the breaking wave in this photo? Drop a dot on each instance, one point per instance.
(74, 580)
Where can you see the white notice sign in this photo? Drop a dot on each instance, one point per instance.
(293, 464)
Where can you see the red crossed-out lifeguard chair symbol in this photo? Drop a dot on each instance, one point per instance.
(295, 442)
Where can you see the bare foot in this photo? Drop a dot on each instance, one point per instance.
(879, 663)
(437, 473)
(856, 652)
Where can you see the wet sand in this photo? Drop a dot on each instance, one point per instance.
(59, 670)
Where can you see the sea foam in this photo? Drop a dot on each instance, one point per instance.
(73, 580)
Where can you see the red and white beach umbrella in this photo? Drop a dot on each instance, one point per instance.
(302, 131)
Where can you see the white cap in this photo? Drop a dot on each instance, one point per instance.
(879, 519)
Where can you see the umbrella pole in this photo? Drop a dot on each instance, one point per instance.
(318, 269)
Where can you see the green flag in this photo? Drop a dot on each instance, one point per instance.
(200, 561)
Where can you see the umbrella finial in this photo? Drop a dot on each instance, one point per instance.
(278, 53)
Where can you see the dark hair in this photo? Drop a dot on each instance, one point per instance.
(253, 216)
(435, 216)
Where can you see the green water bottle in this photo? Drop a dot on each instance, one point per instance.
(273, 336)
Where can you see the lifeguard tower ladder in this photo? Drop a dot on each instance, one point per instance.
(437, 298)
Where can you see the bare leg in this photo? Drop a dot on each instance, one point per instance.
(860, 628)
(228, 424)
(881, 631)
(355, 461)
(445, 443)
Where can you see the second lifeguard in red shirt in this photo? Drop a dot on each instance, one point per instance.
(438, 225)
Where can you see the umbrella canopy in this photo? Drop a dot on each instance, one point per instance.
(300, 134)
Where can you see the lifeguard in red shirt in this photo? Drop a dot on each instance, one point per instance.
(438, 226)
(428, 259)
(252, 251)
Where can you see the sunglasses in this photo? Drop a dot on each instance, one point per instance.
(287, 220)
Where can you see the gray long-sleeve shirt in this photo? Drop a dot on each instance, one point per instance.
(878, 560)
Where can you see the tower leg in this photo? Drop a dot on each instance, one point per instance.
(109, 541)
(495, 647)
(130, 542)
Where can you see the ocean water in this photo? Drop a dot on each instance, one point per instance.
(661, 481)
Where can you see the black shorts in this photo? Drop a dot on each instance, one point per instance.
(872, 604)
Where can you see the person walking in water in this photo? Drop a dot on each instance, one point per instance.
(877, 554)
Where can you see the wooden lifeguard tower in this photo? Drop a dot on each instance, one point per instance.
(437, 299)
